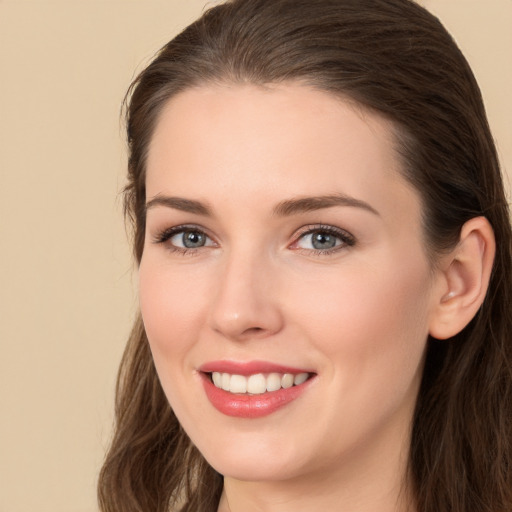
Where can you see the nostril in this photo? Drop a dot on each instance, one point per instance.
(253, 331)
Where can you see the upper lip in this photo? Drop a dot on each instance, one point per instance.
(248, 367)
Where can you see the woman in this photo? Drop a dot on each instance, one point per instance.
(324, 255)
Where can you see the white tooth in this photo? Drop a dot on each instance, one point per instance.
(273, 382)
(287, 380)
(256, 384)
(226, 377)
(238, 384)
(217, 379)
(300, 378)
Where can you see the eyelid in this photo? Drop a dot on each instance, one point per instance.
(347, 239)
(163, 236)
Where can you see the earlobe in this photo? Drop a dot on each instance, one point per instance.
(464, 279)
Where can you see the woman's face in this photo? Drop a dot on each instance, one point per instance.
(282, 244)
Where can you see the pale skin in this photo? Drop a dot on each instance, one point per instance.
(232, 165)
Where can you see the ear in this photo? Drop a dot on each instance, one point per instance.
(463, 279)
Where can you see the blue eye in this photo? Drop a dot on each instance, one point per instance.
(184, 238)
(319, 240)
(189, 239)
(324, 239)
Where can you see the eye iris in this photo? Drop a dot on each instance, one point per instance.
(192, 239)
(322, 240)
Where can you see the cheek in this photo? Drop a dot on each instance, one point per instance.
(171, 307)
(371, 334)
(373, 323)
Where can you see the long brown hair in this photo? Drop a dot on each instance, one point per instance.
(393, 57)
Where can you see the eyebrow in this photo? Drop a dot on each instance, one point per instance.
(283, 209)
(309, 204)
(179, 203)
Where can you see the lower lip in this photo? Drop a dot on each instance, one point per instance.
(250, 406)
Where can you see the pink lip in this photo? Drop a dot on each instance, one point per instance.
(245, 405)
(248, 368)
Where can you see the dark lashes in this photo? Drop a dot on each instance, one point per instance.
(343, 235)
(163, 236)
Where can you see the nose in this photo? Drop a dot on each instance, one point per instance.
(245, 304)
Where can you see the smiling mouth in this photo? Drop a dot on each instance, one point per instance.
(258, 383)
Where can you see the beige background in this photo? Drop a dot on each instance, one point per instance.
(67, 298)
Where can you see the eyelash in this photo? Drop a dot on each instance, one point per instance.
(347, 240)
(167, 234)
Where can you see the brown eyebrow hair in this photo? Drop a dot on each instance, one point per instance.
(309, 204)
(283, 209)
(179, 203)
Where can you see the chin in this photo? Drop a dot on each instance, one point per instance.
(255, 470)
(256, 460)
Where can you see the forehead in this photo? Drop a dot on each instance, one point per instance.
(283, 140)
